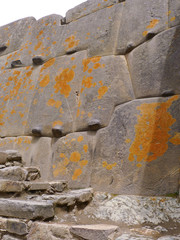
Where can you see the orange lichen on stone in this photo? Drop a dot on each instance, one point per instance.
(101, 91)
(45, 81)
(38, 45)
(172, 19)
(85, 147)
(83, 163)
(127, 140)
(87, 82)
(80, 139)
(75, 157)
(56, 123)
(71, 42)
(176, 139)
(152, 24)
(62, 79)
(108, 166)
(151, 131)
(76, 174)
(52, 102)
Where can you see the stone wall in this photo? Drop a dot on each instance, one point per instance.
(93, 98)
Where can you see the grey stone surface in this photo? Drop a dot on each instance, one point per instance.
(12, 35)
(87, 8)
(138, 19)
(13, 173)
(16, 227)
(89, 232)
(26, 209)
(72, 159)
(174, 13)
(127, 159)
(134, 210)
(42, 231)
(11, 186)
(8, 237)
(154, 65)
(72, 197)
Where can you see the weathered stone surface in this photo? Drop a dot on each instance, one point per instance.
(99, 37)
(87, 8)
(72, 159)
(126, 236)
(174, 13)
(12, 35)
(16, 227)
(3, 223)
(38, 186)
(10, 155)
(13, 173)
(26, 209)
(33, 173)
(17, 91)
(59, 186)
(72, 197)
(8, 237)
(11, 186)
(169, 238)
(134, 210)
(89, 232)
(42, 231)
(154, 65)
(130, 158)
(139, 18)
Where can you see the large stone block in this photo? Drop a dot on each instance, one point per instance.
(138, 153)
(174, 13)
(12, 35)
(154, 66)
(73, 160)
(42, 231)
(11, 186)
(26, 209)
(13, 173)
(141, 20)
(106, 83)
(17, 89)
(96, 32)
(74, 90)
(87, 8)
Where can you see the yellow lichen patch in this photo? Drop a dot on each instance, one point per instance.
(56, 123)
(145, 33)
(21, 114)
(108, 166)
(102, 90)
(87, 82)
(139, 165)
(51, 102)
(62, 79)
(75, 157)
(151, 131)
(80, 139)
(127, 140)
(45, 81)
(176, 139)
(172, 19)
(83, 163)
(48, 64)
(153, 23)
(71, 42)
(76, 174)
(24, 123)
(85, 147)
(38, 45)
(168, 13)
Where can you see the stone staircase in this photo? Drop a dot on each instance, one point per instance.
(32, 209)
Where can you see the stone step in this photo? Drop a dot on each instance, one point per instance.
(62, 231)
(26, 209)
(70, 198)
(10, 156)
(8, 186)
(17, 173)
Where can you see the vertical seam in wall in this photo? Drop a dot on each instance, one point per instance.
(130, 77)
(118, 28)
(168, 14)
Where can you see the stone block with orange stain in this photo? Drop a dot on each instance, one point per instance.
(174, 13)
(17, 89)
(12, 35)
(87, 8)
(154, 66)
(139, 18)
(56, 95)
(43, 39)
(105, 83)
(73, 159)
(138, 153)
(96, 32)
